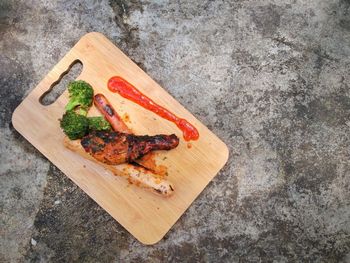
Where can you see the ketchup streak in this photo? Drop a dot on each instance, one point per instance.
(128, 91)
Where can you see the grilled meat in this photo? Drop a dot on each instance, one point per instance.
(138, 175)
(117, 147)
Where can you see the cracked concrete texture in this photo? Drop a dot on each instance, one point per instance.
(270, 78)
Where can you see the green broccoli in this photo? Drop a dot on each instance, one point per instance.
(74, 125)
(80, 94)
(98, 124)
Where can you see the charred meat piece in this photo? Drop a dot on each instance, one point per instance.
(117, 147)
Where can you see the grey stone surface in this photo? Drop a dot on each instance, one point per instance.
(271, 78)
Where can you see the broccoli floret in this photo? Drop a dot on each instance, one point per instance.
(98, 124)
(74, 125)
(80, 94)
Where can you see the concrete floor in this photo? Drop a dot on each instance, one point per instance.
(271, 78)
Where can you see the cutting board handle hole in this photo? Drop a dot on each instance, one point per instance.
(59, 86)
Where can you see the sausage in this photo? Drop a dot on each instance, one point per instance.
(110, 114)
(137, 175)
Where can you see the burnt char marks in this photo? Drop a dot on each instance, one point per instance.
(109, 110)
(103, 137)
(116, 147)
(141, 145)
(162, 142)
(107, 137)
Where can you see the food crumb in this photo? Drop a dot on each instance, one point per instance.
(189, 145)
(126, 117)
(130, 181)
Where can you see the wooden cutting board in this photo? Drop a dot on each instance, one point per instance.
(145, 215)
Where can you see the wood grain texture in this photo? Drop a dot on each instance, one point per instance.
(145, 215)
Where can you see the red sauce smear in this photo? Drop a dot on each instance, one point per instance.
(128, 91)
